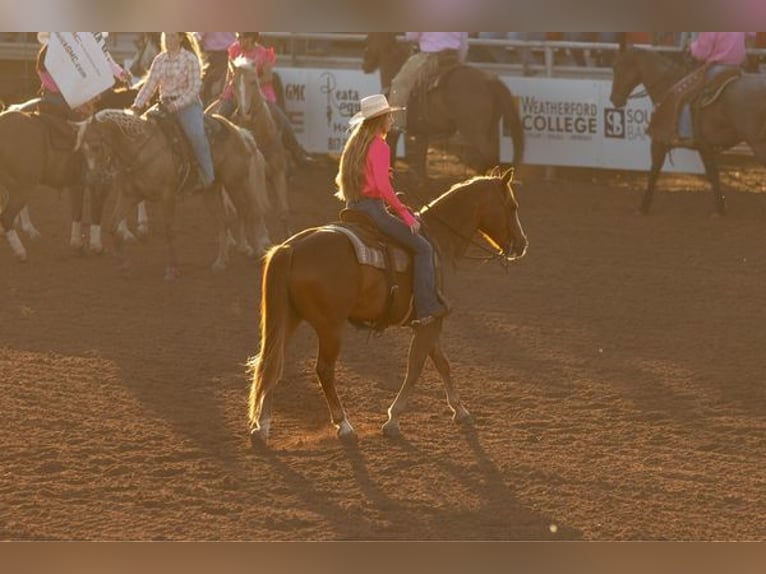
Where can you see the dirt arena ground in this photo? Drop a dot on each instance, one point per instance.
(615, 376)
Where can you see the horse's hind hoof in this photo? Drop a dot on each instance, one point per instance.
(392, 430)
(258, 439)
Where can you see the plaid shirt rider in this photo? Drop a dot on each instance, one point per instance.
(178, 77)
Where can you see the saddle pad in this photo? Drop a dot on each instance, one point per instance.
(367, 255)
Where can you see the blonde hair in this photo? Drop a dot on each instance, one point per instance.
(353, 160)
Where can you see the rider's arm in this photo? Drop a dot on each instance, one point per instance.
(152, 83)
(379, 162)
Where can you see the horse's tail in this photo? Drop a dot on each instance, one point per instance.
(257, 189)
(276, 310)
(511, 118)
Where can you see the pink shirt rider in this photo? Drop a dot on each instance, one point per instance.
(377, 180)
(261, 56)
(438, 41)
(215, 41)
(721, 47)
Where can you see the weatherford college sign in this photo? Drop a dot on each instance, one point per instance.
(568, 122)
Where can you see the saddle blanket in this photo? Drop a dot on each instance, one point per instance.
(367, 255)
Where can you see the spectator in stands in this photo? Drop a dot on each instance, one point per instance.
(434, 47)
(177, 72)
(247, 45)
(214, 47)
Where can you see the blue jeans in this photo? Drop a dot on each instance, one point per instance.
(192, 121)
(685, 128)
(423, 275)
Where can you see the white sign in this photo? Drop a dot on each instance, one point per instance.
(567, 122)
(79, 66)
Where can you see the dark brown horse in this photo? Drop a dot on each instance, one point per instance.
(738, 114)
(34, 151)
(315, 277)
(136, 155)
(466, 100)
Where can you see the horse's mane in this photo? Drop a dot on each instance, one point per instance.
(129, 123)
(670, 65)
(458, 187)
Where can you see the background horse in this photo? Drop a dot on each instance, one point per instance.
(315, 277)
(33, 152)
(737, 115)
(134, 153)
(466, 100)
(147, 47)
(253, 113)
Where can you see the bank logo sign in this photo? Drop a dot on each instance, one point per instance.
(614, 123)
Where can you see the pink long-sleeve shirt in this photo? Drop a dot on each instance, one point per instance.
(377, 183)
(721, 47)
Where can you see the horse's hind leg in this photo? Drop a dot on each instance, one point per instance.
(460, 413)
(76, 204)
(16, 202)
(710, 162)
(329, 349)
(658, 152)
(422, 344)
(25, 222)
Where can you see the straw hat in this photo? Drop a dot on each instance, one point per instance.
(372, 107)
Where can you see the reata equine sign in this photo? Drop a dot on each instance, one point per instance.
(78, 65)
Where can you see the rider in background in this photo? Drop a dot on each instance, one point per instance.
(263, 58)
(177, 72)
(364, 183)
(433, 47)
(720, 51)
(214, 47)
(52, 101)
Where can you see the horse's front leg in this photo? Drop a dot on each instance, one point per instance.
(658, 153)
(172, 271)
(76, 203)
(214, 206)
(460, 413)
(25, 222)
(421, 346)
(329, 349)
(710, 161)
(98, 193)
(119, 229)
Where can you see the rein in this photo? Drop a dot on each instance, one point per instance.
(491, 254)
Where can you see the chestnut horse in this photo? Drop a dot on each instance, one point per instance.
(465, 100)
(315, 277)
(134, 154)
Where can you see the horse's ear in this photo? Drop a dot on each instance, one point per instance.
(508, 176)
(622, 41)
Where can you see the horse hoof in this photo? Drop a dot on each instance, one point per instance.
(464, 418)
(172, 273)
(142, 232)
(258, 439)
(392, 430)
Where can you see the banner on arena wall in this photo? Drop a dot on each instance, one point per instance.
(79, 66)
(567, 122)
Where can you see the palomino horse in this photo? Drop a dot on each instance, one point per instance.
(737, 115)
(253, 113)
(465, 100)
(135, 154)
(315, 277)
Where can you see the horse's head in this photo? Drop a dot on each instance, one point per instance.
(147, 47)
(626, 75)
(97, 138)
(247, 87)
(499, 217)
(371, 54)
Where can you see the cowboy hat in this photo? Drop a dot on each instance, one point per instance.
(43, 37)
(372, 107)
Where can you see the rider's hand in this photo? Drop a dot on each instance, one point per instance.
(415, 227)
(135, 109)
